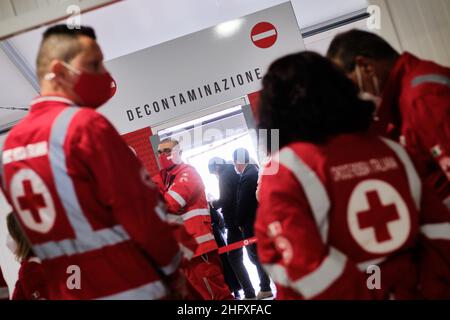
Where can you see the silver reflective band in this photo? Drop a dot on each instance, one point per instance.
(161, 212)
(63, 182)
(177, 197)
(188, 254)
(315, 282)
(278, 274)
(195, 213)
(415, 185)
(173, 265)
(323, 277)
(205, 238)
(4, 293)
(152, 291)
(436, 231)
(431, 78)
(312, 186)
(174, 219)
(93, 241)
(363, 266)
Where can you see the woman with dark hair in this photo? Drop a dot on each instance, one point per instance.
(31, 284)
(342, 215)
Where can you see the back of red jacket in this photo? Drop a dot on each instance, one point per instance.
(87, 205)
(336, 212)
(419, 92)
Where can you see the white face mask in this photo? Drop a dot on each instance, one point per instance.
(11, 244)
(367, 96)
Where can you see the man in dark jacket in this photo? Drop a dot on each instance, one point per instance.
(228, 184)
(246, 205)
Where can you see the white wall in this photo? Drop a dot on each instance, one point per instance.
(419, 26)
(15, 90)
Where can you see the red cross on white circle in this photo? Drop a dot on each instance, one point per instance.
(32, 201)
(378, 217)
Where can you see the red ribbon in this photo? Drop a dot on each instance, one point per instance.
(237, 245)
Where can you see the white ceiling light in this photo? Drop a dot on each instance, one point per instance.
(228, 28)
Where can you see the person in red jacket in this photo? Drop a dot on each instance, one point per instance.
(184, 194)
(4, 292)
(413, 97)
(31, 283)
(346, 215)
(82, 198)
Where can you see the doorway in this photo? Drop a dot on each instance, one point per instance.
(216, 133)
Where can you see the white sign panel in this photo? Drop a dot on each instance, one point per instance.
(200, 70)
(17, 16)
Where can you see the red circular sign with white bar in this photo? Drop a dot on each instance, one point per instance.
(264, 35)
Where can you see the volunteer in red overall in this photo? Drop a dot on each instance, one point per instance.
(344, 204)
(413, 96)
(83, 199)
(184, 195)
(4, 292)
(31, 283)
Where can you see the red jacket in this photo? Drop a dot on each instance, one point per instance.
(4, 292)
(31, 284)
(87, 205)
(332, 211)
(416, 112)
(184, 195)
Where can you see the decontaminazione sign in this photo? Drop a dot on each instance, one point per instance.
(199, 70)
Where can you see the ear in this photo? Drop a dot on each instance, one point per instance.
(366, 65)
(58, 69)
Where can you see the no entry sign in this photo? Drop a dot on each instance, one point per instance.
(264, 35)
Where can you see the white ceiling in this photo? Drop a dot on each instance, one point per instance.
(132, 25)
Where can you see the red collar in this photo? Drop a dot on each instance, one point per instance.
(55, 99)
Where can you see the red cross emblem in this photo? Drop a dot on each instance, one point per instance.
(31, 201)
(378, 216)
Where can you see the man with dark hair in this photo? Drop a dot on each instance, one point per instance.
(228, 186)
(82, 198)
(184, 195)
(413, 98)
(246, 205)
(343, 200)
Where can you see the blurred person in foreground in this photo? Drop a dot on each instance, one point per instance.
(412, 97)
(82, 198)
(344, 201)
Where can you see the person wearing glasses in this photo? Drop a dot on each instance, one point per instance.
(188, 211)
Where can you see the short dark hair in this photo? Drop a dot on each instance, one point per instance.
(60, 42)
(241, 156)
(346, 46)
(63, 29)
(308, 98)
